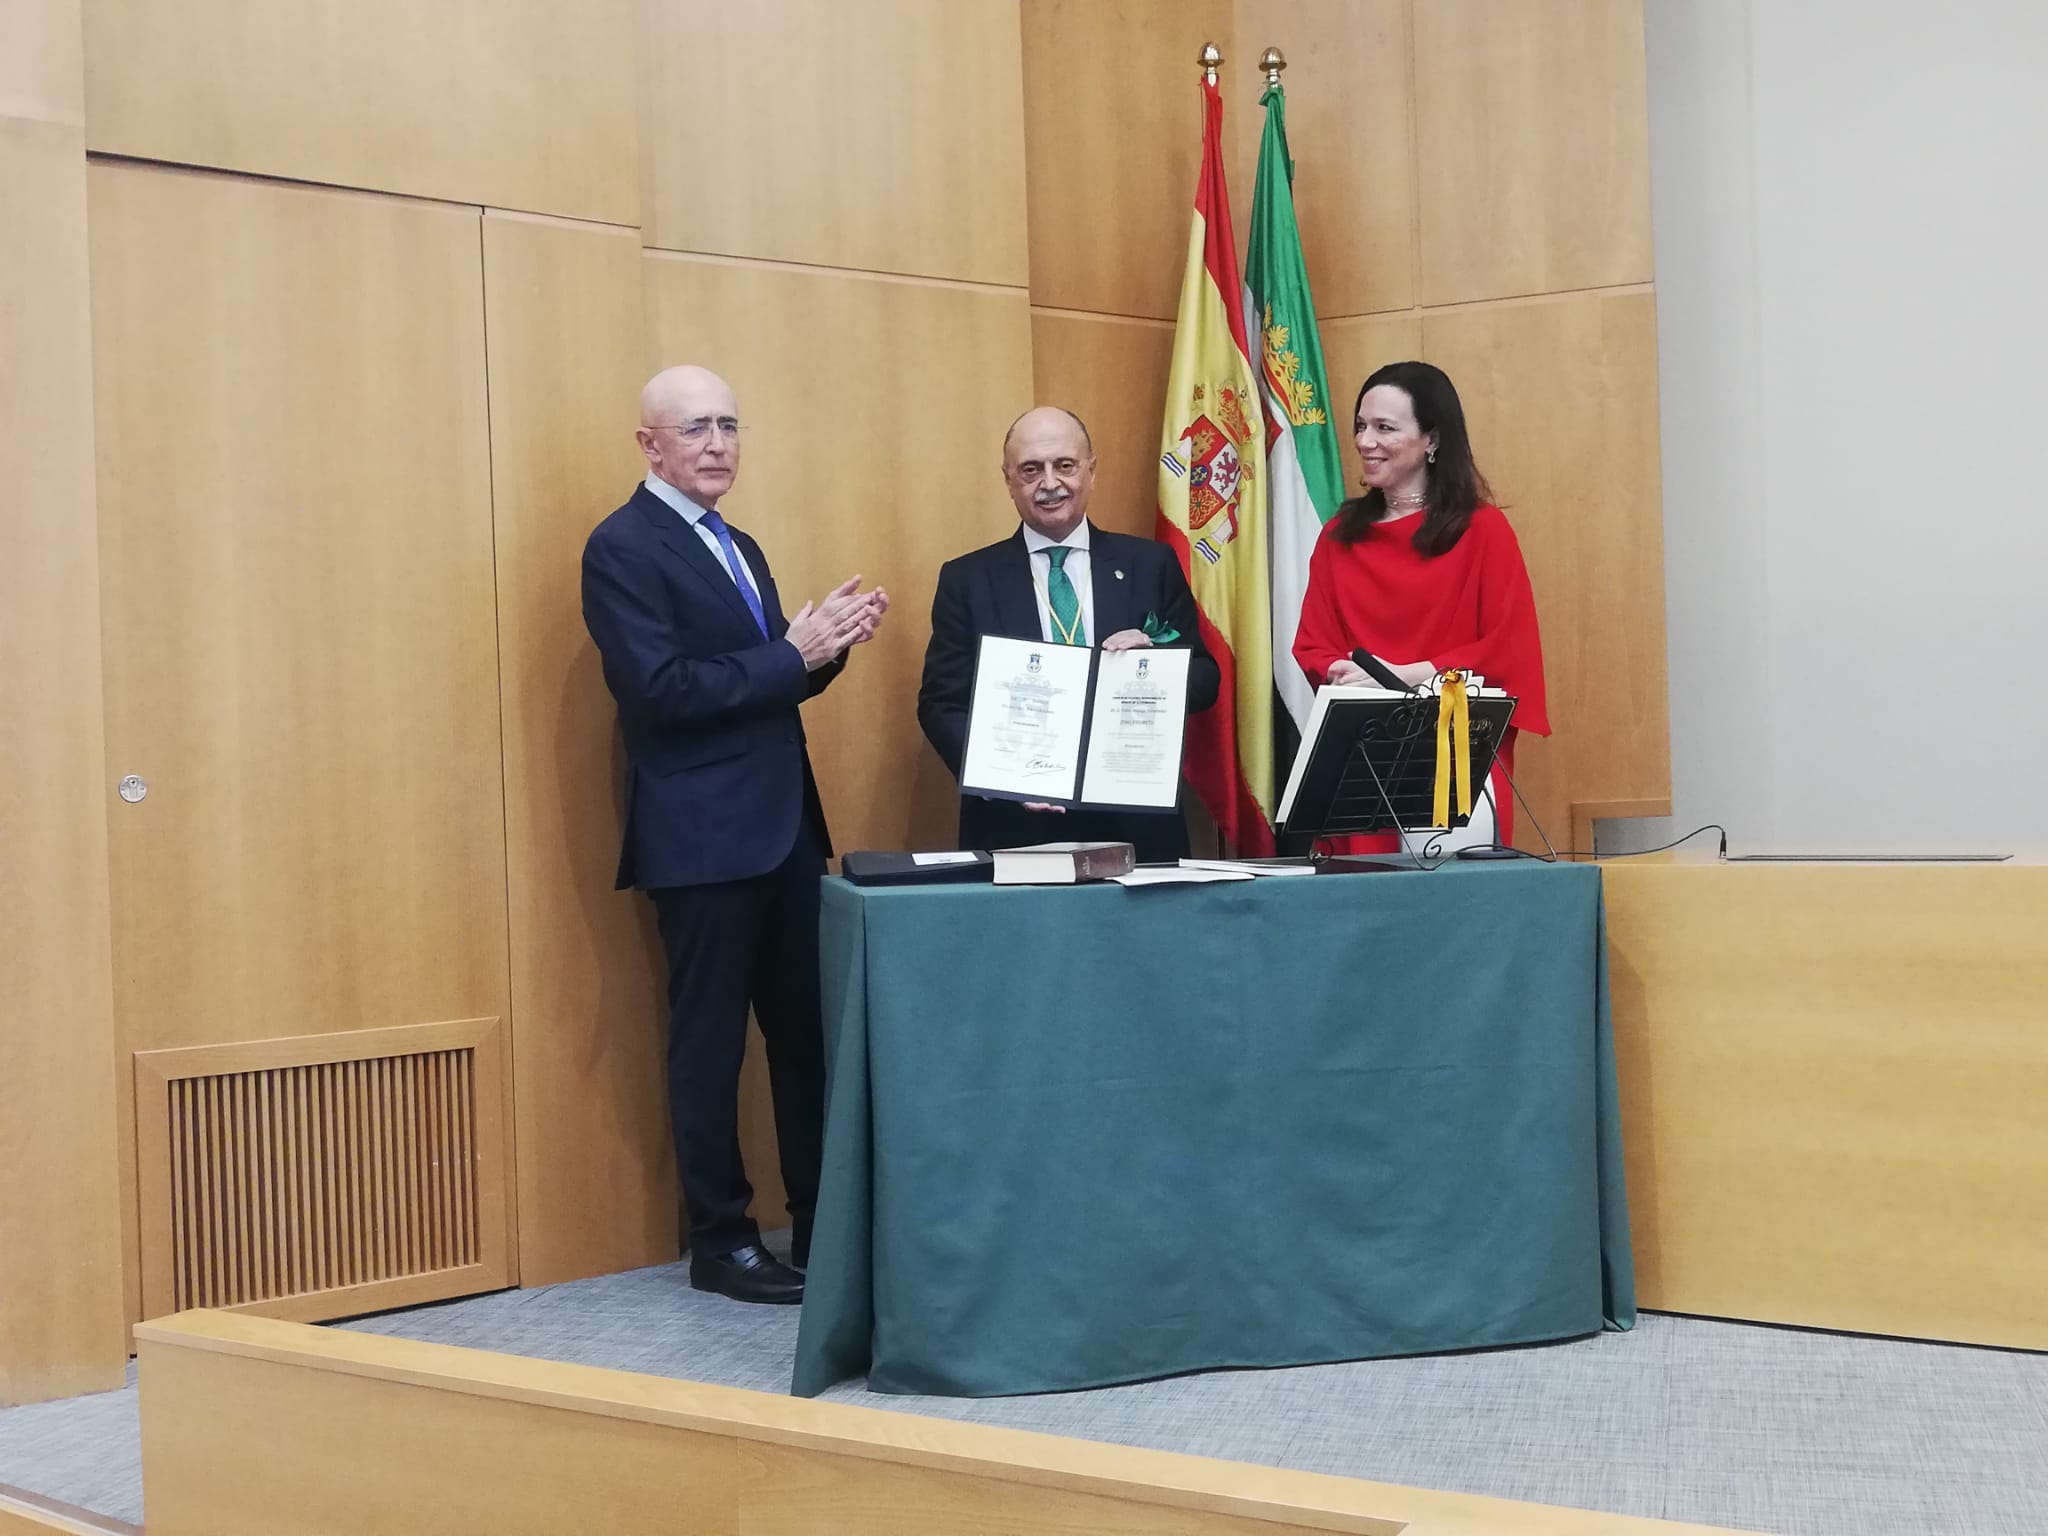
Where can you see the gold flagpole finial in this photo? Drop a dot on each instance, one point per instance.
(1272, 61)
(1210, 58)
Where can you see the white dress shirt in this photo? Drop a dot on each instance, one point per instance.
(1077, 569)
(694, 516)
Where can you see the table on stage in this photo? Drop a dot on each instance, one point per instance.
(1079, 1136)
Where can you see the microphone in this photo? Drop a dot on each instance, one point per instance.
(1379, 672)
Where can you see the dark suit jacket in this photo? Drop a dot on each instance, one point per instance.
(989, 592)
(717, 771)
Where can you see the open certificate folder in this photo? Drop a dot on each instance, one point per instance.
(1073, 726)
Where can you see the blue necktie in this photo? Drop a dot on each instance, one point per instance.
(716, 524)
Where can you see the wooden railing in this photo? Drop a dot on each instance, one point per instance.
(255, 1427)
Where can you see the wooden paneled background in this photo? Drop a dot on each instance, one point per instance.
(298, 450)
(60, 1250)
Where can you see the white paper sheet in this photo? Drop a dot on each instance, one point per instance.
(1134, 737)
(1024, 733)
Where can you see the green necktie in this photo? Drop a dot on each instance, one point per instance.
(1064, 601)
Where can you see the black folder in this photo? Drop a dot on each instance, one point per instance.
(871, 868)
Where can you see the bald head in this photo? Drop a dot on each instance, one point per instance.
(1049, 469)
(677, 394)
(689, 431)
(1039, 416)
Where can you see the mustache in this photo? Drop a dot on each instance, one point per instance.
(1051, 497)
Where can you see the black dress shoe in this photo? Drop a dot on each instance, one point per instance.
(751, 1273)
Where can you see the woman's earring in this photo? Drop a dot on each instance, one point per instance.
(1432, 455)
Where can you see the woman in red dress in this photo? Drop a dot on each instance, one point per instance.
(1422, 570)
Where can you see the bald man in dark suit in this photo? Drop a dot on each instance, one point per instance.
(724, 829)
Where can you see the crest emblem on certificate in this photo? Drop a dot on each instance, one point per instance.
(1144, 668)
(1035, 664)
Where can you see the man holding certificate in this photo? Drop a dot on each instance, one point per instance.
(1047, 598)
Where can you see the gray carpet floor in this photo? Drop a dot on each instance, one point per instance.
(1767, 1429)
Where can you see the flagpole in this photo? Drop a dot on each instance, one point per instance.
(1210, 58)
(1272, 61)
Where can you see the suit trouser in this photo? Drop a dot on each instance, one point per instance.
(742, 941)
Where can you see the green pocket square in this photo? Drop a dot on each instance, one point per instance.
(1157, 633)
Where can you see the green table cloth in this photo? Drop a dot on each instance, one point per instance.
(1084, 1135)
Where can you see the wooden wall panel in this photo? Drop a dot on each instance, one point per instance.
(875, 410)
(1351, 350)
(1113, 139)
(298, 609)
(1112, 374)
(596, 1170)
(516, 103)
(1832, 1081)
(883, 136)
(60, 1291)
(1533, 151)
(42, 73)
(1561, 397)
(296, 541)
(1350, 125)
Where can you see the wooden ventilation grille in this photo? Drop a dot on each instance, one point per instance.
(309, 1188)
(312, 1178)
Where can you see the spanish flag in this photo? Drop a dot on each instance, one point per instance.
(1212, 510)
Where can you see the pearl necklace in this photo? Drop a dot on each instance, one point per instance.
(1408, 502)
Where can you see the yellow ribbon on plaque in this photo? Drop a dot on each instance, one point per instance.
(1453, 734)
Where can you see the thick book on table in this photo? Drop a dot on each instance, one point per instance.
(1063, 863)
(865, 867)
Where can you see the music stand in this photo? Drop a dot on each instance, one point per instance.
(1368, 761)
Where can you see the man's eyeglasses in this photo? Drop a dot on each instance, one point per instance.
(698, 428)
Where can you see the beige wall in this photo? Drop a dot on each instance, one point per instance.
(371, 290)
(1845, 389)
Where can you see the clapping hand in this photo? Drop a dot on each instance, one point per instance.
(869, 619)
(843, 617)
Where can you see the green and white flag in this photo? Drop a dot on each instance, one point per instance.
(1304, 473)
